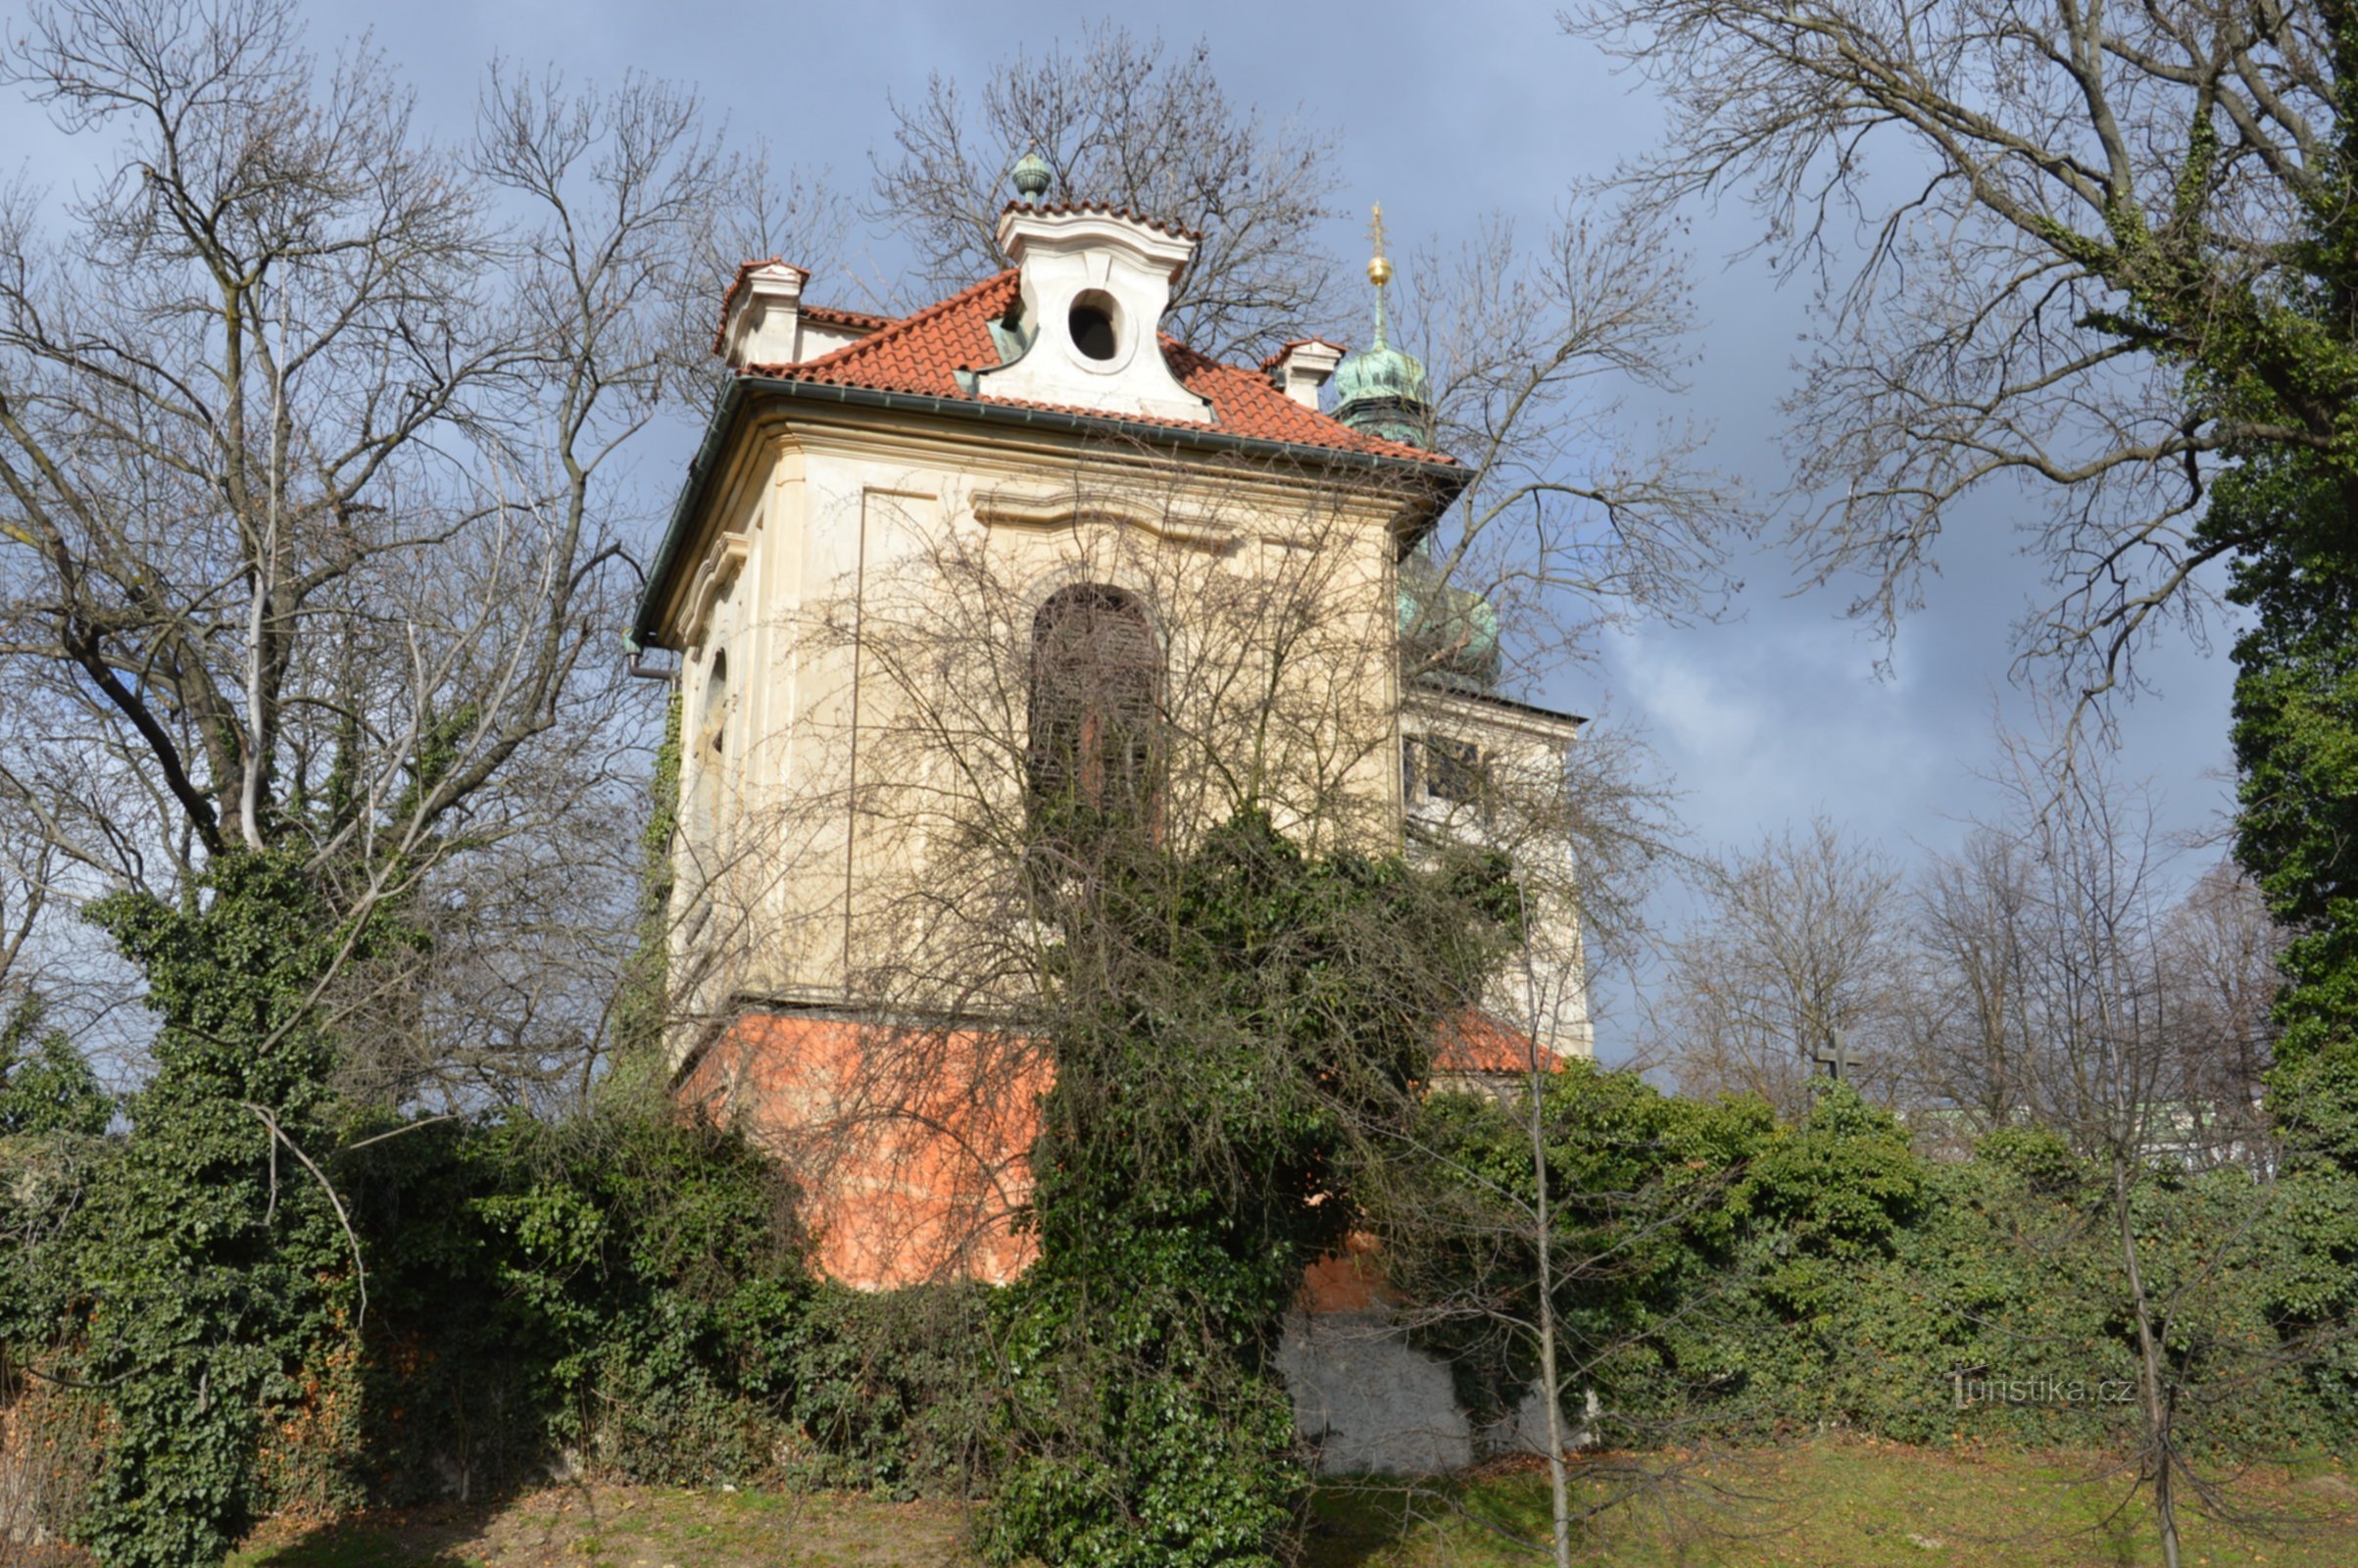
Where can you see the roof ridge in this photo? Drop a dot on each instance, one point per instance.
(886, 337)
(879, 319)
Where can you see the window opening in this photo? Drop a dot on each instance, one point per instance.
(705, 748)
(1096, 710)
(1451, 770)
(1091, 323)
(715, 699)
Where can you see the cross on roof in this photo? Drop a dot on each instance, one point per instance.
(1833, 1054)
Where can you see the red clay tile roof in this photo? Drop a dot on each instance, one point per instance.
(1058, 209)
(918, 352)
(837, 315)
(923, 353)
(1478, 1043)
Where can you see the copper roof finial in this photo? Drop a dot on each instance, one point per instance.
(1379, 390)
(1032, 175)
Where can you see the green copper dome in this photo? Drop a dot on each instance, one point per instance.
(1384, 392)
(1380, 390)
(1449, 636)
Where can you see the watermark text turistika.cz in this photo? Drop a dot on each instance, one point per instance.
(2039, 1390)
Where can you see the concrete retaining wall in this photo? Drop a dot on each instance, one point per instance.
(1371, 1404)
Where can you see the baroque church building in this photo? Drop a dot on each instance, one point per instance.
(1021, 546)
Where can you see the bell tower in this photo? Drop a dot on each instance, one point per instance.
(1380, 391)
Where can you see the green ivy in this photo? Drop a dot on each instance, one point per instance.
(217, 1274)
(644, 1000)
(894, 1390)
(52, 1115)
(1227, 1021)
(1734, 1277)
(1647, 1209)
(46, 1085)
(624, 1285)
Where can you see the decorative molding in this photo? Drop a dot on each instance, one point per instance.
(1016, 508)
(720, 569)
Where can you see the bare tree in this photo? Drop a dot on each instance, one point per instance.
(2004, 1005)
(1976, 1037)
(2052, 247)
(1801, 942)
(1532, 343)
(2095, 864)
(2122, 1055)
(1519, 1219)
(1127, 122)
(314, 531)
(1574, 519)
(306, 428)
(2220, 949)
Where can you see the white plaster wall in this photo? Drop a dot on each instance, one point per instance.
(1064, 256)
(1367, 1400)
(1525, 758)
(842, 528)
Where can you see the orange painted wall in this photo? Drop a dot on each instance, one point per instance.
(911, 1145)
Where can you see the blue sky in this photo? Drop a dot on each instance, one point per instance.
(1442, 113)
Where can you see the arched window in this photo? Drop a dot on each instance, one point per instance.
(1095, 709)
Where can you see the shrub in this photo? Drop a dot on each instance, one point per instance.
(624, 1286)
(892, 1390)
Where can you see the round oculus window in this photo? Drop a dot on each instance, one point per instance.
(1091, 323)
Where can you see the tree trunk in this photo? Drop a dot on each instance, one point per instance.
(2149, 1368)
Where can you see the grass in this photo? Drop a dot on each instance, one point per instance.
(593, 1526)
(1841, 1505)
(1830, 1503)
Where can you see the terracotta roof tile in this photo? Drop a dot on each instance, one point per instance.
(1480, 1043)
(923, 353)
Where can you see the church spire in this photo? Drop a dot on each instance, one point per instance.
(1380, 390)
